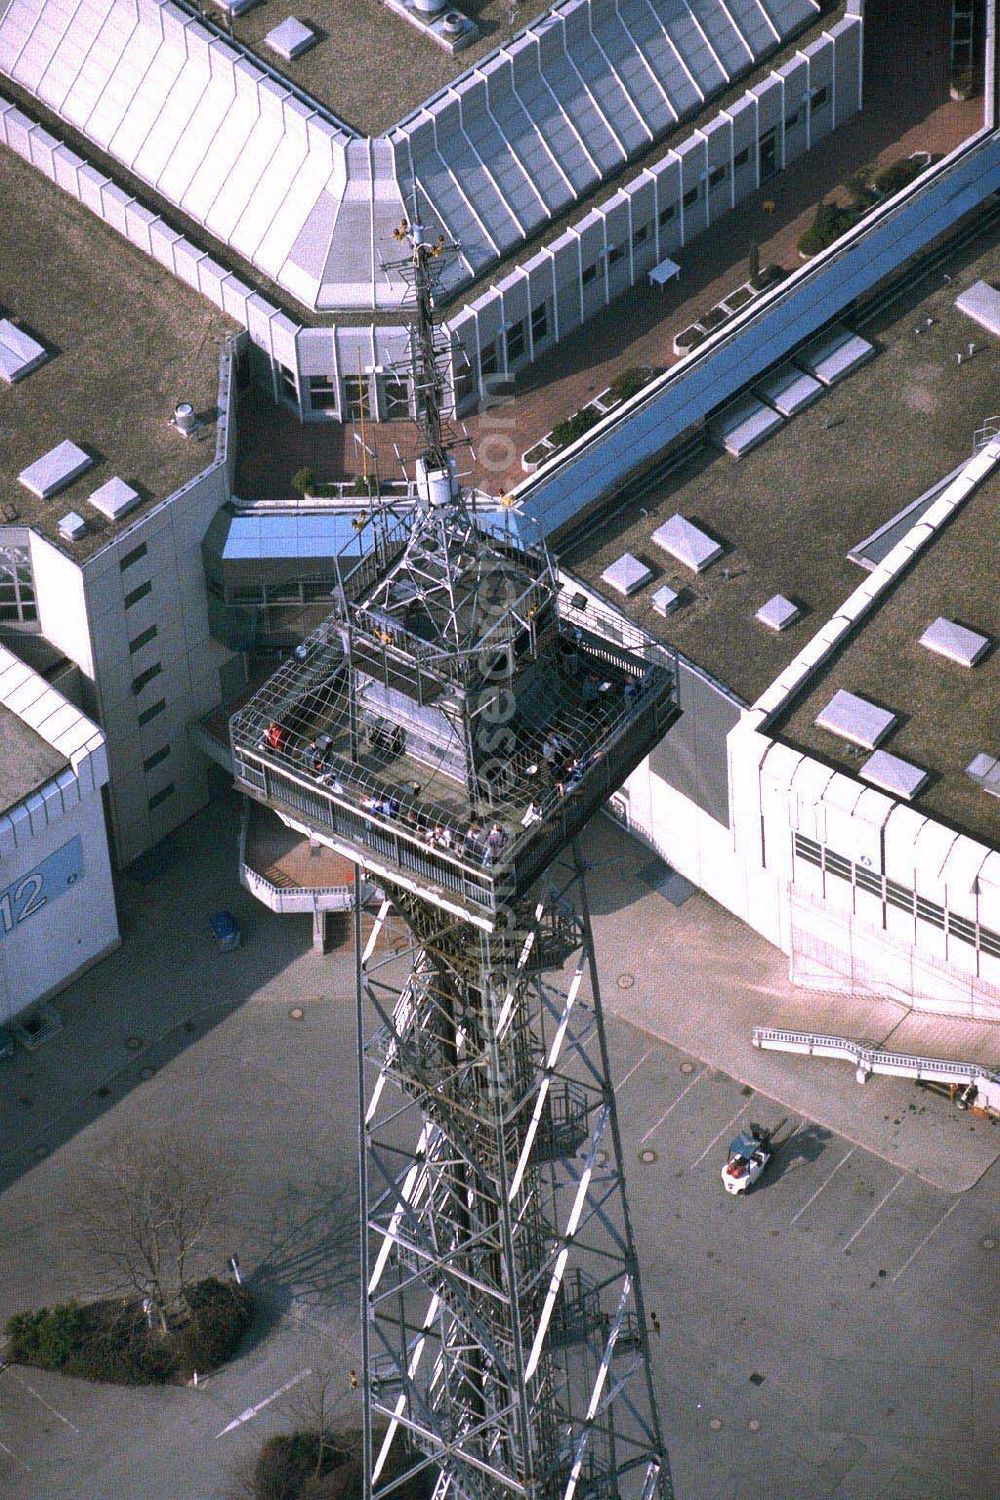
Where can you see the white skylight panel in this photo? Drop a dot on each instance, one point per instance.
(55, 469)
(550, 123)
(572, 94)
(725, 40)
(854, 718)
(154, 100)
(303, 191)
(662, 59)
(44, 38)
(525, 141)
(637, 79)
(149, 153)
(605, 85)
(627, 575)
(221, 155)
(687, 543)
(692, 47)
(890, 773)
(125, 89)
(16, 27)
(68, 56)
(244, 176)
(956, 642)
(204, 125)
(96, 67)
(19, 352)
(272, 193)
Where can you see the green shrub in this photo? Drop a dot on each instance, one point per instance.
(111, 1341)
(628, 382)
(898, 175)
(564, 433)
(830, 223)
(366, 484)
(49, 1337)
(303, 481)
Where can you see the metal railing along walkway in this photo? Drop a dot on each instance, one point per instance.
(869, 1060)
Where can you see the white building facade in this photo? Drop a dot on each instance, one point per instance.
(57, 903)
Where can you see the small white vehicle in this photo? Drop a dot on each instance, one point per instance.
(749, 1154)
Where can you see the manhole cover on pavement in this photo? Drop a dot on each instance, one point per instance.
(687, 1067)
(134, 1043)
(626, 981)
(296, 1013)
(647, 1156)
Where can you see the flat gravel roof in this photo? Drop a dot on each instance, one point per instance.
(27, 761)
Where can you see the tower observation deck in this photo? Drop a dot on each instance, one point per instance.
(451, 729)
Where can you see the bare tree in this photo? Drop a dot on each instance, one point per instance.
(147, 1206)
(314, 1408)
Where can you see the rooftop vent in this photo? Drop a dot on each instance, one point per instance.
(114, 498)
(184, 418)
(72, 526)
(55, 470)
(855, 719)
(627, 575)
(890, 773)
(665, 600)
(778, 613)
(687, 543)
(291, 39)
(19, 353)
(956, 642)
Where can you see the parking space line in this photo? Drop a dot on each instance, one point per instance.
(823, 1184)
(14, 1458)
(910, 1259)
(728, 1126)
(879, 1205)
(251, 1411)
(673, 1106)
(46, 1404)
(634, 1069)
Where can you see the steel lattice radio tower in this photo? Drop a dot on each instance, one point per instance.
(451, 728)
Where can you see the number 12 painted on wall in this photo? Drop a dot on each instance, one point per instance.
(24, 897)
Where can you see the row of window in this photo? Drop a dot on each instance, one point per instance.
(892, 893)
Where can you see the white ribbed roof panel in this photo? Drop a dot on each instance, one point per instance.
(495, 154)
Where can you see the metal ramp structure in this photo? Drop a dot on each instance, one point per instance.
(868, 1060)
(451, 731)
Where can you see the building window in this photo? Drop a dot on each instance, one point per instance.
(150, 713)
(145, 678)
(617, 253)
(540, 322)
(395, 398)
(160, 796)
(157, 758)
(488, 364)
(515, 341)
(17, 586)
(718, 176)
(667, 213)
(817, 99)
(640, 236)
(286, 385)
(691, 197)
(589, 274)
(142, 639)
(134, 595)
(356, 401)
(742, 157)
(322, 393)
(792, 120)
(128, 558)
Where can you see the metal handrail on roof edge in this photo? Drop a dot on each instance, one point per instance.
(759, 308)
(868, 1060)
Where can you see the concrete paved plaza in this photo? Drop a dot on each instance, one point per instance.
(830, 1338)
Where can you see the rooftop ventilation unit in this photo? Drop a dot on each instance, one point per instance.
(440, 22)
(184, 419)
(72, 526)
(114, 499)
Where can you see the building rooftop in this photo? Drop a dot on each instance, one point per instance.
(947, 713)
(789, 512)
(27, 761)
(392, 67)
(127, 341)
